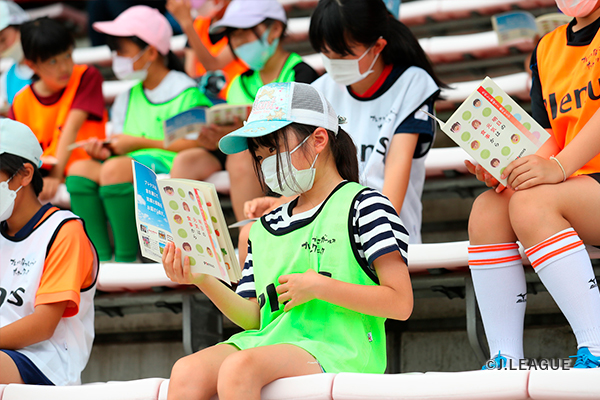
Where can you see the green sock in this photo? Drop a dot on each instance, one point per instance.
(86, 203)
(120, 208)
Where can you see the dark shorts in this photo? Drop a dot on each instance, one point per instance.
(596, 176)
(220, 156)
(30, 374)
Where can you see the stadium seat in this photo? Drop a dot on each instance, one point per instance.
(475, 385)
(573, 384)
(142, 389)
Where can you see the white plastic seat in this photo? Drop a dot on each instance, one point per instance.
(310, 387)
(572, 384)
(469, 385)
(141, 389)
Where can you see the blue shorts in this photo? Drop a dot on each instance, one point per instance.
(30, 374)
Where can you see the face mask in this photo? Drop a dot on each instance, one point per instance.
(15, 52)
(7, 200)
(123, 67)
(347, 72)
(256, 54)
(577, 8)
(293, 181)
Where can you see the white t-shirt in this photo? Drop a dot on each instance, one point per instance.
(372, 124)
(170, 87)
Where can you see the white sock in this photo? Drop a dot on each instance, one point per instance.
(564, 267)
(501, 291)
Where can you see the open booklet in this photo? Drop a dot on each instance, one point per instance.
(192, 120)
(493, 128)
(515, 26)
(187, 213)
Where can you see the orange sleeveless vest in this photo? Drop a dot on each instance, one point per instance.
(233, 69)
(46, 122)
(569, 76)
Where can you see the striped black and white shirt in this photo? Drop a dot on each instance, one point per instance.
(376, 226)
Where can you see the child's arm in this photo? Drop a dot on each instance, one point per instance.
(180, 9)
(34, 328)
(398, 164)
(392, 298)
(242, 312)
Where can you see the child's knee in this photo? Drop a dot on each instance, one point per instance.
(531, 206)
(240, 165)
(115, 171)
(236, 369)
(89, 169)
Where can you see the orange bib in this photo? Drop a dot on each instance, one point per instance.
(47, 121)
(233, 69)
(569, 76)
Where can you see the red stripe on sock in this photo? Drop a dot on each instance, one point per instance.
(491, 261)
(556, 252)
(549, 241)
(493, 247)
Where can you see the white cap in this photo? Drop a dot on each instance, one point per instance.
(17, 139)
(276, 106)
(244, 14)
(11, 14)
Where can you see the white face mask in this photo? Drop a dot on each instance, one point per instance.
(293, 181)
(577, 8)
(123, 67)
(7, 200)
(14, 52)
(347, 72)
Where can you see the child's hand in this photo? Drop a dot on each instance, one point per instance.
(96, 148)
(50, 187)
(484, 176)
(296, 289)
(259, 206)
(171, 260)
(123, 144)
(532, 170)
(181, 11)
(211, 134)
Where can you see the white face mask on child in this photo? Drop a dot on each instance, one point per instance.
(347, 72)
(293, 181)
(123, 67)
(7, 199)
(577, 8)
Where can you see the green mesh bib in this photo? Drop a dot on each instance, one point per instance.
(340, 339)
(145, 119)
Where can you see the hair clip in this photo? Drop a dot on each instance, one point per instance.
(342, 120)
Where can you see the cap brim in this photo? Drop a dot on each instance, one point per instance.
(237, 140)
(234, 23)
(112, 28)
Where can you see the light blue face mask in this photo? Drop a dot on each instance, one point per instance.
(256, 54)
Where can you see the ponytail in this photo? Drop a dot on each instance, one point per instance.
(173, 62)
(344, 153)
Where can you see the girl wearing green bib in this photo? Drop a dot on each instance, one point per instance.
(101, 189)
(312, 298)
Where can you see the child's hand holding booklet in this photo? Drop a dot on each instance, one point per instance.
(187, 213)
(493, 129)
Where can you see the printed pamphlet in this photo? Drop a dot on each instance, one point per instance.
(187, 213)
(493, 129)
(516, 26)
(192, 120)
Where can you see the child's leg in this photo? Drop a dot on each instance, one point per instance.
(196, 164)
(116, 191)
(82, 184)
(244, 182)
(195, 376)
(243, 374)
(497, 273)
(551, 221)
(9, 373)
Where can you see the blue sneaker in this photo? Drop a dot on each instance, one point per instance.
(585, 359)
(498, 362)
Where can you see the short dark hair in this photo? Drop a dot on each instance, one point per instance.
(11, 164)
(45, 38)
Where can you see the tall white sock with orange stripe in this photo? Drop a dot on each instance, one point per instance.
(501, 290)
(565, 269)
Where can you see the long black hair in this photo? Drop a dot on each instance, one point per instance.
(11, 164)
(171, 61)
(336, 24)
(341, 145)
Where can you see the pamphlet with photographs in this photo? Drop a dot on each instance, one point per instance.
(515, 26)
(493, 129)
(192, 120)
(187, 213)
